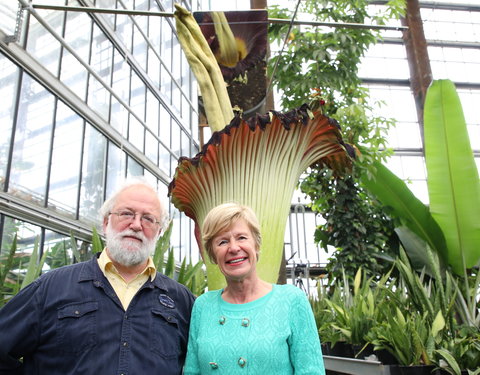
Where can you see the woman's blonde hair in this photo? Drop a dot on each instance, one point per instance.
(222, 217)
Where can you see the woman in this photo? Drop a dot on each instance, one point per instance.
(251, 326)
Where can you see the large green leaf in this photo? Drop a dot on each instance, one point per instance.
(415, 247)
(453, 183)
(394, 193)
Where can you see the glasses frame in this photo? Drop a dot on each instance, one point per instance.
(145, 222)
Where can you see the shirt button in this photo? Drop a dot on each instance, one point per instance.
(242, 362)
(213, 365)
(125, 343)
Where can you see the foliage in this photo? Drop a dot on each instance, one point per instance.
(450, 225)
(457, 183)
(354, 312)
(409, 337)
(413, 315)
(461, 350)
(354, 224)
(453, 181)
(325, 58)
(192, 276)
(5, 267)
(326, 61)
(349, 313)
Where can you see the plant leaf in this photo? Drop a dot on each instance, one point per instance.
(453, 182)
(170, 265)
(34, 268)
(445, 354)
(97, 244)
(394, 193)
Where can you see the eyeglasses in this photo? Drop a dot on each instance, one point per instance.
(148, 220)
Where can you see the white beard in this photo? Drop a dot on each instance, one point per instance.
(128, 252)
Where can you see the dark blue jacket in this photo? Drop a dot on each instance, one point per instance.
(70, 321)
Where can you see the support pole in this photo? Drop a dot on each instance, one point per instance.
(418, 60)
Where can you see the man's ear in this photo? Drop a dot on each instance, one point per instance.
(104, 225)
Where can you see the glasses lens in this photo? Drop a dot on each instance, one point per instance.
(149, 220)
(125, 215)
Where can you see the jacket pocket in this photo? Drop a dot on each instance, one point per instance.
(165, 337)
(77, 327)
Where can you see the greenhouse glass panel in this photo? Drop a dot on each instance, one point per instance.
(151, 147)
(101, 63)
(133, 168)
(77, 35)
(116, 168)
(32, 142)
(93, 174)
(66, 159)
(41, 44)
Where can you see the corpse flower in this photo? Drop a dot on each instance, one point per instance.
(257, 163)
(238, 39)
(226, 51)
(201, 59)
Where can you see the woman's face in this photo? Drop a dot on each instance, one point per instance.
(235, 251)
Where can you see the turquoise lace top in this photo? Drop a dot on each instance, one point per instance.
(275, 334)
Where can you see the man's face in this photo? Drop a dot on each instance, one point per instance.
(131, 240)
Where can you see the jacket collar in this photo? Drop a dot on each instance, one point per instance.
(91, 271)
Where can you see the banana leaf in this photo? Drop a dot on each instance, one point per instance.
(453, 182)
(395, 194)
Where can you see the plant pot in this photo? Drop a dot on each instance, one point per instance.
(326, 348)
(386, 357)
(443, 372)
(362, 354)
(411, 370)
(342, 349)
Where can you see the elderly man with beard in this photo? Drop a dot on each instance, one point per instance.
(112, 315)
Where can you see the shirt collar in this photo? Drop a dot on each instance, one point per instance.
(105, 263)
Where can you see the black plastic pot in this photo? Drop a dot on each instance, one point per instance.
(411, 370)
(386, 357)
(342, 349)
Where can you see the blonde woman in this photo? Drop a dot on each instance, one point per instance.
(250, 326)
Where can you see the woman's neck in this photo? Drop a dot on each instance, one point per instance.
(243, 291)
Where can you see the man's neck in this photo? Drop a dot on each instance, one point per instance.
(128, 272)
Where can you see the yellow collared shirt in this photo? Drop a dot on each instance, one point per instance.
(125, 290)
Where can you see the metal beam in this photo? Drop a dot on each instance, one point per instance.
(21, 209)
(168, 14)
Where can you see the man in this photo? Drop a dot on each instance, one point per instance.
(111, 315)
